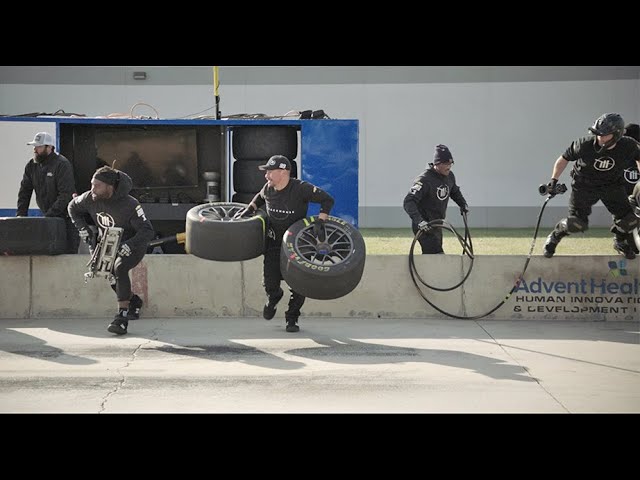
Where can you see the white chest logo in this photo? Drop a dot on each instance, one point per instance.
(442, 192)
(604, 164)
(105, 220)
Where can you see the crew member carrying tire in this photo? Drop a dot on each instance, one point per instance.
(287, 201)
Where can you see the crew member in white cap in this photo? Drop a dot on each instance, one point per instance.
(50, 175)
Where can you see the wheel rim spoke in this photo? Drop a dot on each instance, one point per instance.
(223, 213)
(336, 248)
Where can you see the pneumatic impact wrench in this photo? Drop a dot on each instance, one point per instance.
(548, 189)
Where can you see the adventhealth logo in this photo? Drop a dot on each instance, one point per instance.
(617, 292)
(591, 286)
(584, 287)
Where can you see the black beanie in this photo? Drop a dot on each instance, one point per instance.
(441, 155)
(109, 177)
(633, 131)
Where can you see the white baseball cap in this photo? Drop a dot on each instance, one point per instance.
(42, 138)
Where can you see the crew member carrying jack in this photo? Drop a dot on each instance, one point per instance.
(109, 204)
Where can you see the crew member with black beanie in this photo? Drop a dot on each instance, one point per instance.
(428, 198)
(109, 204)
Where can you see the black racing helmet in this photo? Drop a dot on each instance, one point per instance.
(607, 124)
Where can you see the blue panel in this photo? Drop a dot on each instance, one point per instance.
(329, 154)
(11, 212)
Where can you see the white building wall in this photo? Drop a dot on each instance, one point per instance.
(504, 135)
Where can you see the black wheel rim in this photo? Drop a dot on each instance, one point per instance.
(335, 250)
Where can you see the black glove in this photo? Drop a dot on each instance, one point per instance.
(125, 250)
(87, 236)
(319, 229)
(551, 187)
(84, 235)
(244, 212)
(424, 226)
(464, 209)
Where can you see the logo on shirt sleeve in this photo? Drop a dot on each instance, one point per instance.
(631, 175)
(140, 213)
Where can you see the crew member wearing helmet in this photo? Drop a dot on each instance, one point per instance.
(428, 198)
(598, 161)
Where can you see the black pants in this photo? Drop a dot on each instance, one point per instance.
(73, 239)
(271, 278)
(121, 268)
(614, 198)
(430, 242)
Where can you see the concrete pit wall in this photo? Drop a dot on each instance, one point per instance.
(590, 288)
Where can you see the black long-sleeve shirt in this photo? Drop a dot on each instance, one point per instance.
(52, 179)
(287, 206)
(429, 196)
(121, 210)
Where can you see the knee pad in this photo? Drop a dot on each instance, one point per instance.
(626, 224)
(572, 225)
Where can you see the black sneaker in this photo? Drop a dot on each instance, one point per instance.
(625, 249)
(135, 304)
(550, 246)
(119, 324)
(269, 310)
(292, 326)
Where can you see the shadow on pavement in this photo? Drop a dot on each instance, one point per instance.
(19, 343)
(349, 351)
(345, 341)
